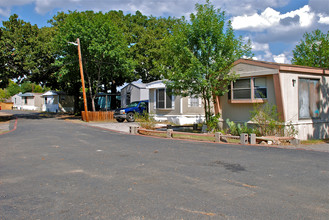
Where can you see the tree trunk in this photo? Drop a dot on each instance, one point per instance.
(77, 107)
(91, 94)
(113, 97)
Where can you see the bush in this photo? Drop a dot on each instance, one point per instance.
(145, 120)
(267, 121)
(237, 129)
(212, 123)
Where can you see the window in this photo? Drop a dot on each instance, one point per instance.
(163, 99)
(46, 100)
(142, 105)
(309, 98)
(260, 90)
(250, 89)
(128, 98)
(242, 89)
(193, 101)
(25, 100)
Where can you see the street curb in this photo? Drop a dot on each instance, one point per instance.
(186, 140)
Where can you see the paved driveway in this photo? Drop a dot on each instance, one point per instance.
(115, 126)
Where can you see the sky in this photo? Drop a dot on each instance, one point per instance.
(274, 26)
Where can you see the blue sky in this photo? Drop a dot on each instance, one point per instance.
(274, 26)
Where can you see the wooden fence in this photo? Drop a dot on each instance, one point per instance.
(97, 116)
(6, 105)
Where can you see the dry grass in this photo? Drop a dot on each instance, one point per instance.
(194, 137)
(317, 141)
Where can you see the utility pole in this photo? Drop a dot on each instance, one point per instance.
(77, 43)
(82, 81)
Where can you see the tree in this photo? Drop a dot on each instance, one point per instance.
(13, 88)
(104, 49)
(26, 52)
(200, 54)
(146, 36)
(4, 94)
(16, 45)
(312, 50)
(27, 86)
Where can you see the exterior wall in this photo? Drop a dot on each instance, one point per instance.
(245, 70)
(240, 112)
(29, 105)
(34, 102)
(17, 100)
(144, 94)
(38, 101)
(51, 104)
(153, 110)
(66, 103)
(136, 94)
(307, 128)
(180, 113)
(58, 103)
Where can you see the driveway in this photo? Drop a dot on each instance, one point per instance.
(114, 126)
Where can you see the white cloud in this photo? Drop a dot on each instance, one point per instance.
(271, 18)
(260, 47)
(257, 22)
(323, 19)
(147, 7)
(281, 58)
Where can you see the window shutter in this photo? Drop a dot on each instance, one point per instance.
(155, 99)
(200, 102)
(189, 102)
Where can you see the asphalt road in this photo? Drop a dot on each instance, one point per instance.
(54, 169)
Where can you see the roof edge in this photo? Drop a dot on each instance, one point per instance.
(283, 67)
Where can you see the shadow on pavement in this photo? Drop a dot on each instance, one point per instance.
(10, 114)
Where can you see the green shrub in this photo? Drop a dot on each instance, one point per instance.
(145, 120)
(267, 121)
(212, 123)
(236, 129)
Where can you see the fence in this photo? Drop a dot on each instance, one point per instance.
(97, 116)
(6, 105)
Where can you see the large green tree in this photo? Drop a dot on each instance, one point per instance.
(104, 49)
(16, 44)
(26, 52)
(312, 50)
(146, 38)
(200, 54)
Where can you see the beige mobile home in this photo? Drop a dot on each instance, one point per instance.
(31, 101)
(167, 107)
(300, 94)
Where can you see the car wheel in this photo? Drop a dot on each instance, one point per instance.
(120, 120)
(131, 117)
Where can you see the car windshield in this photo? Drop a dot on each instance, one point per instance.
(133, 104)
